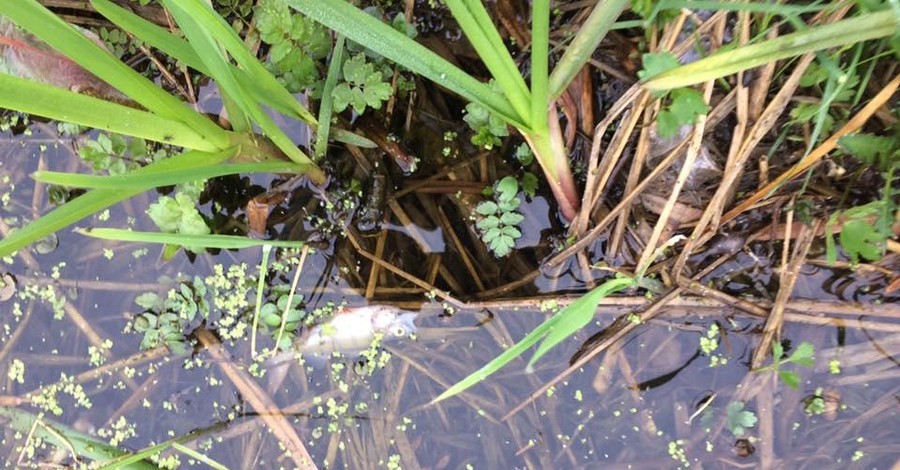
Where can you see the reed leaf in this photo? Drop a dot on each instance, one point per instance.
(62, 105)
(842, 33)
(98, 199)
(65, 438)
(224, 242)
(41, 22)
(556, 329)
(165, 178)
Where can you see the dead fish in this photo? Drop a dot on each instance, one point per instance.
(351, 331)
(354, 329)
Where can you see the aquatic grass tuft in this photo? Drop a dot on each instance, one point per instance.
(213, 151)
(530, 110)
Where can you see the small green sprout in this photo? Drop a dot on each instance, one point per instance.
(363, 86)
(684, 104)
(815, 404)
(802, 356)
(739, 419)
(499, 217)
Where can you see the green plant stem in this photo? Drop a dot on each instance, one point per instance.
(225, 242)
(550, 152)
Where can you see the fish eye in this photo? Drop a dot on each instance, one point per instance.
(399, 331)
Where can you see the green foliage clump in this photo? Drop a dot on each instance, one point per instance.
(363, 86)
(178, 215)
(275, 312)
(489, 129)
(683, 105)
(499, 217)
(865, 229)
(295, 44)
(118, 42)
(165, 320)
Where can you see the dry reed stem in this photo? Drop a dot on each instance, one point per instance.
(787, 278)
(730, 177)
(258, 399)
(460, 249)
(373, 272)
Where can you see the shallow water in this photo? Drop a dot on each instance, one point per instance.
(629, 408)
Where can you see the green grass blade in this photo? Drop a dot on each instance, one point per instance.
(540, 68)
(362, 28)
(55, 103)
(585, 43)
(515, 351)
(224, 242)
(262, 79)
(844, 32)
(164, 178)
(151, 34)
(63, 437)
(327, 104)
(556, 328)
(578, 314)
(96, 200)
(482, 34)
(37, 20)
(204, 29)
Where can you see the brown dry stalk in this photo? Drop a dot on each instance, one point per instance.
(787, 279)
(259, 400)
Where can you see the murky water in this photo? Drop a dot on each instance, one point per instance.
(654, 400)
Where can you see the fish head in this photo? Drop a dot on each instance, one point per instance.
(402, 326)
(392, 321)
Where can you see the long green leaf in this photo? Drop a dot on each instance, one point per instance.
(37, 20)
(484, 37)
(164, 178)
(578, 314)
(225, 242)
(585, 43)
(844, 32)
(272, 95)
(204, 29)
(262, 79)
(99, 199)
(150, 33)
(326, 107)
(556, 328)
(63, 438)
(540, 68)
(362, 28)
(55, 103)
